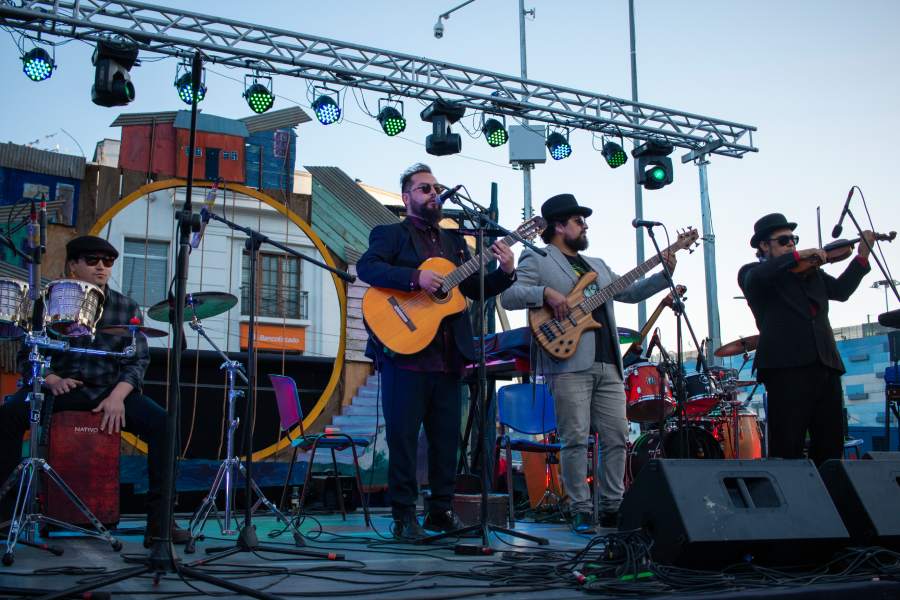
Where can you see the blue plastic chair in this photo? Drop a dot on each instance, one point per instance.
(528, 408)
(291, 414)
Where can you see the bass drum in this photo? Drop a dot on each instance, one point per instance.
(691, 442)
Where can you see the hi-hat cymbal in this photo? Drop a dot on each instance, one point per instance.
(628, 336)
(125, 331)
(201, 304)
(738, 346)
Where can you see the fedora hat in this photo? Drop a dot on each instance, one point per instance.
(562, 206)
(766, 225)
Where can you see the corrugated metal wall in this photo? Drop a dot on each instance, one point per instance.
(275, 170)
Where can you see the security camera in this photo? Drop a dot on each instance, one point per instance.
(439, 29)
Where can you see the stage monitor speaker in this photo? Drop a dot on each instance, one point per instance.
(867, 496)
(881, 455)
(708, 513)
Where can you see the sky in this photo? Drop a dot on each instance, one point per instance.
(817, 78)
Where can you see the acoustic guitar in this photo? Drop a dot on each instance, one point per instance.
(560, 338)
(406, 322)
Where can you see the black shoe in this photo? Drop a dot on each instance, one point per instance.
(407, 529)
(609, 519)
(179, 535)
(442, 520)
(583, 523)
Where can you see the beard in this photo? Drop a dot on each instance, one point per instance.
(432, 215)
(577, 244)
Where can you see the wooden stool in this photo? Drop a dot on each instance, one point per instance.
(88, 461)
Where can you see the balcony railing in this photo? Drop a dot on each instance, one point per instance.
(276, 301)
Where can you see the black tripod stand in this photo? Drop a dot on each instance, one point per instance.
(478, 215)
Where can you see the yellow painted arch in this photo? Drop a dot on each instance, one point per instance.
(308, 419)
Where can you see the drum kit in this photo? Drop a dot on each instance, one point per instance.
(709, 422)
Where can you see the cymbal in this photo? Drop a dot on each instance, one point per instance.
(201, 304)
(125, 330)
(628, 336)
(738, 346)
(729, 383)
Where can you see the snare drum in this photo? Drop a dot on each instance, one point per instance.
(15, 308)
(646, 400)
(701, 394)
(73, 307)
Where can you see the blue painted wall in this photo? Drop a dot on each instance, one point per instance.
(277, 164)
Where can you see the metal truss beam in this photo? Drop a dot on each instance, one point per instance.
(175, 32)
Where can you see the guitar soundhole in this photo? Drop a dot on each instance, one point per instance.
(440, 296)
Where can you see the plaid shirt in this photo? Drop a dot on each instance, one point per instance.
(100, 373)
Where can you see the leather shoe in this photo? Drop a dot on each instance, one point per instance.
(406, 528)
(180, 536)
(582, 523)
(442, 520)
(609, 519)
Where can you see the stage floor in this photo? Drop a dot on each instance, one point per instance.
(374, 566)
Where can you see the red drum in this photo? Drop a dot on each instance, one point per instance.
(749, 436)
(646, 401)
(691, 442)
(701, 394)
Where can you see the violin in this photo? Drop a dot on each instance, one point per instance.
(836, 251)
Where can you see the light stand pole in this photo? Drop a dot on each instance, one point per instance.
(700, 156)
(638, 191)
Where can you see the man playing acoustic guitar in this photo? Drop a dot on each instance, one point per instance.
(424, 387)
(587, 387)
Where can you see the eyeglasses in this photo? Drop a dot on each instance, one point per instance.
(784, 240)
(426, 188)
(91, 260)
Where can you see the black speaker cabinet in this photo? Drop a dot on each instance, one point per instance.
(867, 496)
(708, 513)
(881, 455)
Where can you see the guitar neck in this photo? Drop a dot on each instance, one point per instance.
(647, 327)
(619, 285)
(460, 273)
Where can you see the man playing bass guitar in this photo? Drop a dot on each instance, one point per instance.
(424, 387)
(587, 387)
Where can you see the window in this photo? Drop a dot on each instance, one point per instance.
(145, 270)
(233, 155)
(224, 156)
(277, 285)
(198, 151)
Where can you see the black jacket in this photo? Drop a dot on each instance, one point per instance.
(789, 334)
(393, 257)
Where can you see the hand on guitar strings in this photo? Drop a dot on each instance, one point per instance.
(504, 256)
(670, 260)
(430, 281)
(556, 302)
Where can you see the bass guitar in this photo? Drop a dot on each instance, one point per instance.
(560, 338)
(406, 322)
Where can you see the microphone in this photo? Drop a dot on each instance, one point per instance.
(446, 194)
(637, 223)
(838, 228)
(700, 354)
(204, 214)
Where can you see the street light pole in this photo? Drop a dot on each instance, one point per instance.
(885, 284)
(526, 167)
(638, 192)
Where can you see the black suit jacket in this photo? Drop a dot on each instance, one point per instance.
(392, 260)
(789, 334)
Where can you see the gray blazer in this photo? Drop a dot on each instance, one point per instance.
(536, 272)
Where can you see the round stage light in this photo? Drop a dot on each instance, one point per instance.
(37, 64)
(183, 85)
(392, 122)
(558, 146)
(614, 154)
(495, 133)
(327, 110)
(259, 98)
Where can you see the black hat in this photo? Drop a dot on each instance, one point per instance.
(89, 244)
(563, 206)
(768, 224)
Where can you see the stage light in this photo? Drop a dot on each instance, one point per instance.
(654, 165)
(441, 113)
(392, 122)
(326, 109)
(558, 145)
(614, 154)
(259, 97)
(113, 58)
(495, 133)
(37, 64)
(184, 86)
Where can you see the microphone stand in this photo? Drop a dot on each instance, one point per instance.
(677, 376)
(247, 540)
(478, 215)
(881, 267)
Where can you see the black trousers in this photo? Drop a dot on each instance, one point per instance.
(410, 400)
(143, 417)
(804, 400)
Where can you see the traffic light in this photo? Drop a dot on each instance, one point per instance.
(653, 164)
(113, 59)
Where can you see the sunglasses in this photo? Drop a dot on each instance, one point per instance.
(784, 240)
(91, 260)
(578, 221)
(426, 188)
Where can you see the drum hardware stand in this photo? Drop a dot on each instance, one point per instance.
(676, 370)
(478, 215)
(229, 467)
(247, 540)
(25, 523)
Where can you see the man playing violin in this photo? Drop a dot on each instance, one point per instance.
(797, 358)
(110, 386)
